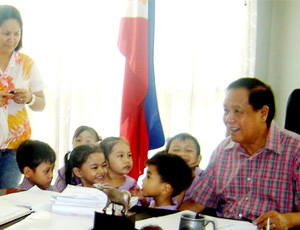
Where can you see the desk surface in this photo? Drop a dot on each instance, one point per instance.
(54, 220)
(144, 212)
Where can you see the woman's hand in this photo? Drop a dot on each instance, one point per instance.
(22, 96)
(4, 95)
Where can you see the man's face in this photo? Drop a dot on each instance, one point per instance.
(243, 123)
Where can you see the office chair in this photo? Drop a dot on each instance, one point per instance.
(292, 116)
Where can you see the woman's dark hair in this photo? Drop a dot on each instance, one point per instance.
(260, 94)
(173, 170)
(76, 158)
(182, 137)
(108, 143)
(32, 153)
(10, 12)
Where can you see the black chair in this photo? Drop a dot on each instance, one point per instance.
(292, 116)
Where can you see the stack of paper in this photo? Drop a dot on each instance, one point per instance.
(82, 201)
(34, 198)
(76, 200)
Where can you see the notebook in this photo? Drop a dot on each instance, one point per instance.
(10, 212)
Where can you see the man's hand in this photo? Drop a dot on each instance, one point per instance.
(278, 221)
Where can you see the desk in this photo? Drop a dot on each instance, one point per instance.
(155, 216)
(145, 213)
(45, 216)
(171, 222)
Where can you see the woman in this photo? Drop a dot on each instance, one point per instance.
(20, 84)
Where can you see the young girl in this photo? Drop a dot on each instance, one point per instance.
(83, 135)
(187, 147)
(118, 155)
(88, 163)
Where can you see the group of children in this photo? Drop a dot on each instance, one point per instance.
(170, 173)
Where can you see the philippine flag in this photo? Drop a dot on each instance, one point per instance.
(140, 120)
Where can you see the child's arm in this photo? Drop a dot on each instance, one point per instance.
(136, 191)
(180, 197)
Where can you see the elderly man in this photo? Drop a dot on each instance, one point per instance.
(255, 171)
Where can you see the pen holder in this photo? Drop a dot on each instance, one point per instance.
(190, 222)
(114, 221)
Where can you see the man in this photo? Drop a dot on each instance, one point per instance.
(255, 171)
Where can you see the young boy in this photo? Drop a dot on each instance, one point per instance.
(36, 161)
(187, 147)
(167, 176)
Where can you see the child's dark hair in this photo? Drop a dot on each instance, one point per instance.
(76, 158)
(182, 137)
(32, 153)
(83, 128)
(173, 170)
(108, 143)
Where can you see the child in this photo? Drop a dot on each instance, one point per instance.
(187, 147)
(88, 163)
(36, 161)
(83, 135)
(118, 155)
(167, 176)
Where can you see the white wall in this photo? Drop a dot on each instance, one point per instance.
(278, 49)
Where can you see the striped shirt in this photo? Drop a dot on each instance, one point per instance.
(252, 185)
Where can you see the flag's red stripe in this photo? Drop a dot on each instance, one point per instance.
(133, 43)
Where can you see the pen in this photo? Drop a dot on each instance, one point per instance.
(268, 224)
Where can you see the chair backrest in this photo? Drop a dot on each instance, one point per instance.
(292, 116)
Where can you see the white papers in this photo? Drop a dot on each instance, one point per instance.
(48, 220)
(10, 212)
(82, 201)
(34, 198)
(77, 200)
(228, 224)
(171, 222)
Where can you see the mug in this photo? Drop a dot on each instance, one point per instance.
(190, 222)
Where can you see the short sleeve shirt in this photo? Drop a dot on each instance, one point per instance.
(21, 72)
(252, 185)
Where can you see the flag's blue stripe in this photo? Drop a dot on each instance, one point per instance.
(154, 127)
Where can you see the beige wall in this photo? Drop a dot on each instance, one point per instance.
(278, 49)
